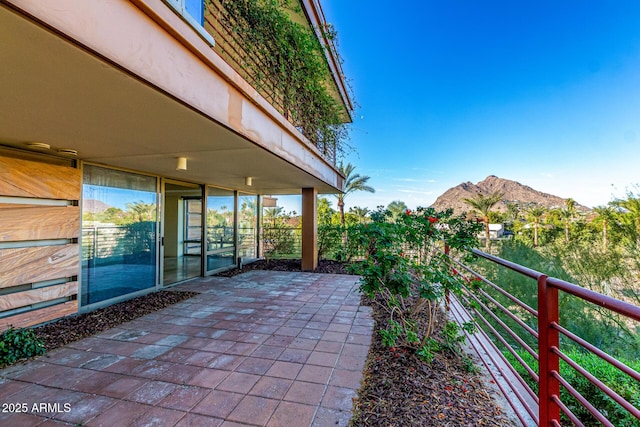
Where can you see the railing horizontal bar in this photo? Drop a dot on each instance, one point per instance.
(510, 265)
(501, 323)
(575, 420)
(524, 364)
(621, 307)
(510, 314)
(497, 288)
(580, 398)
(595, 350)
(607, 302)
(456, 310)
(595, 381)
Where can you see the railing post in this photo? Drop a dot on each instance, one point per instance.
(549, 362)
(447, 300)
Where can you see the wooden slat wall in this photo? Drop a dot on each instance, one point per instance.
(37, 296)
(29, 222)
(37, 264)
(35, 317)
(39, 257)
(24, 178)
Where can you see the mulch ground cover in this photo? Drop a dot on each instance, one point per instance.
(398, 389)
(78, 326)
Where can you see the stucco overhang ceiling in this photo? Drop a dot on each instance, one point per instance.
(55, 92)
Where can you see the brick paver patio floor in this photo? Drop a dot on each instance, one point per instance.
(263, 348)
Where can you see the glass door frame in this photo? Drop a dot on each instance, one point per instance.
(161, 228)
(206, 252)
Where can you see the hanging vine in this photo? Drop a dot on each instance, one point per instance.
(287, 58)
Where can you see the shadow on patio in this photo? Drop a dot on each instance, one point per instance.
(262, 348)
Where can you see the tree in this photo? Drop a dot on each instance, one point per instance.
(397, 208)
(482, 204)
(631, 216)
(513, 212)
(353, 182)
(141, 211)
(567, 214)
(606, 214)
(325, 212)
(535, 212)
(360, 213)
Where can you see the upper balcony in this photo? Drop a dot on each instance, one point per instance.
(300, 76)
(137, 84)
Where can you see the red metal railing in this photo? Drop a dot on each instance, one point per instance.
(489, 313)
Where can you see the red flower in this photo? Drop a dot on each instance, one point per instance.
(408, 212)
(433, 219)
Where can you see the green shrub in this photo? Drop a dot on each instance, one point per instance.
(615, 379)
(16, 344)
(329, 240)
(406, 274)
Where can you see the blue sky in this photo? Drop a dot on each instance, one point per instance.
(544, 93)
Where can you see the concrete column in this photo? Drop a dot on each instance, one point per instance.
(309, 229)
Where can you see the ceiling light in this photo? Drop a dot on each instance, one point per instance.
(40, 145)
(182, 164)
(68, 151)
(248, 181)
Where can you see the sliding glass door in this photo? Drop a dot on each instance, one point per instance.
(182, 232)
(220, 231)
(119, 233)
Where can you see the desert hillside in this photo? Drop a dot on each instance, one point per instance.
(513, 191)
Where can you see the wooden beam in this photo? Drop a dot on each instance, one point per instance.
(24, 178)
(35, 296)
(32, 222)
(42, 315)
(36, 264)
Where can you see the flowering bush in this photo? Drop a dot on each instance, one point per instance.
(408, 274)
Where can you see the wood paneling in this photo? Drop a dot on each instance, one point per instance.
(35, 296)
(35, 317)
(27, 265)
(24, 178)
(30, 222)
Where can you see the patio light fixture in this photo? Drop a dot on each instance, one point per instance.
(182, 164)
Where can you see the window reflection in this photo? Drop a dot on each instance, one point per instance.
(220, 228)
(119, 234)
(247, 225)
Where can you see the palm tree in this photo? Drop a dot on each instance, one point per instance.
(397, 208)
(483, 204)
(360, 213)
(513, 212)
(568, 213)
(353, 182)
(142, 211)
(536, 212)
(607, 214)
(632, 207)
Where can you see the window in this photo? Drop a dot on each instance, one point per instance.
(220, 228)
(119, 233)
(247, 225)
(195, 8)
(193, 12)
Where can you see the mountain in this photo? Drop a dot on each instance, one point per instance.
(94, 206)
(513, 191)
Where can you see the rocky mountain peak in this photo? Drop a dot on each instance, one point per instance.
(513, 192)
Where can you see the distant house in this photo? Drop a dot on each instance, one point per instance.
(496, 231)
